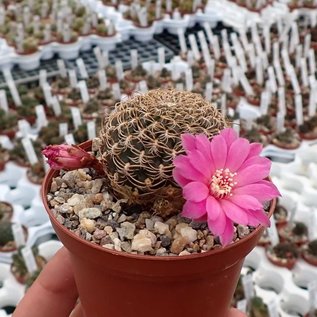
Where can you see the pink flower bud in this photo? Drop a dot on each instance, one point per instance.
(68, 157)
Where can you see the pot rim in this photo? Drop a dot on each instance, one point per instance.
(53, 173)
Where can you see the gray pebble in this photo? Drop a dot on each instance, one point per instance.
(165, 241)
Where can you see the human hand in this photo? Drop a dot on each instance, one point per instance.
(54, 293)
(236, 313)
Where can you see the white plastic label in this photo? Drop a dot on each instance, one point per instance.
(208, 91)
(248, 287)
(179, 87)
(63, 129)
(29, 259)
(312, 292)
(272, 231)
(18, 234)
(272, 308)
(304, 73)
(43, 77)
(281, 100)
(299, 109)
(56, 106)
(83, 91)
(161, 56)
(194, 46)
(280, 122)
(76, 117)
(14, 92)
(91, 129)
(119, 69)
(189, 79)
(41, 116)
(182, 41)
(143, 86)
(47, 93)
(272, 80)
(312, 62)
(29, 149)
(134, 59)
(4, 101)
(116, 91)
(99, 57)
(24, 127)
(62, 68)
(72, 78)
(102, 79)
(242, 305)
(82, 68)
(69, 139)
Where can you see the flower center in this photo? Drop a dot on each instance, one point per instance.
(222, 183)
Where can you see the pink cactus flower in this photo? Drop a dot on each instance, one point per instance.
(68, 157)
(223, 182)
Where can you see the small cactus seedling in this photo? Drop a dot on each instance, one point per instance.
(312, 248)
(6, 234)
(258, 308)
(285, 251)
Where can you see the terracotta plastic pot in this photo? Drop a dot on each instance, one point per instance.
(118, 284)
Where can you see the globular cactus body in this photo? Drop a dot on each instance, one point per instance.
(142, 136)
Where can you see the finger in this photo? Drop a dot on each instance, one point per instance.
(54, 293)
(236, 313)
(77, 312)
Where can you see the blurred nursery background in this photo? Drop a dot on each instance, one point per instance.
(64, 63)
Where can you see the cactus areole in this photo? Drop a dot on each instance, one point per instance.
(142, 136)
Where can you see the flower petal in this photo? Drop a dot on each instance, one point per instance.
(237, 154)
(194, 210)
(179, 178)
(201, 163)
(234, 212)
(203, 145)
(251, 174)
(230, 135)
(227, 236)
(186, 170)
(256, 160)
(219, 150)
(217, 226)
(188, 142)
(246, 202)
(213, 208)
(195, 191)
(262, 190)
(258, 217)
(255, 149)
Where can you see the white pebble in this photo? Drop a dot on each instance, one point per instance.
(141, 244)
(75, 200)
(90, 213)
(189, 233)
(162, 228)
(88, 224)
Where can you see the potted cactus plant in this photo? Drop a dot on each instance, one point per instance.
(6, 211)
(35, 173)
(151, 210)
(4, 157)
(283, 254)
(258, 308)
(8, 122)
(296, 233)
(309, 253)
(287, 139)
(7, 243)
(18, 266)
